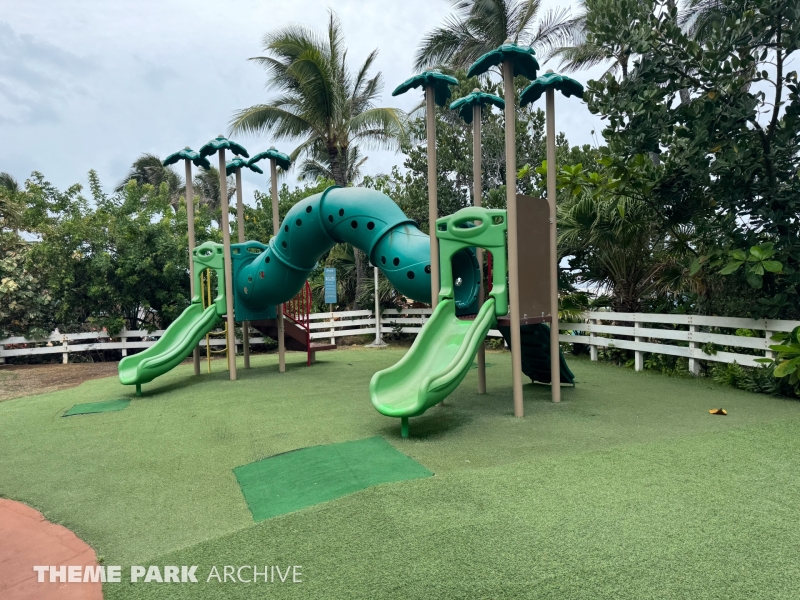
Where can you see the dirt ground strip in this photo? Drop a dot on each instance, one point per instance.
(27, 380)
(31, 540)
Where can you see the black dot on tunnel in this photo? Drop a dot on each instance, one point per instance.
(284, 244)
(286, 228)
(410, 274)
(396, 262)
(428, 269)
(266, 260)
(308, 209)
(330, 218)
(299, 222)
(370, 225)
(341, 212)
(354, 224)
(383, 260)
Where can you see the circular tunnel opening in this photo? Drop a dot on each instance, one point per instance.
(465, 267)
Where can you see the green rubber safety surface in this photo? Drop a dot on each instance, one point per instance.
(288, 482)
(97, 407)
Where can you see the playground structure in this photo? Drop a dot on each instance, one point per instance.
(256, 280)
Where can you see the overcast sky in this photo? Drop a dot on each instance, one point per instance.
(95, 83)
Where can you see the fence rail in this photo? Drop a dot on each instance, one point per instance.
(692, 341)
(690, 336)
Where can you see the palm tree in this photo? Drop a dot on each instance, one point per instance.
(626, 253)
(316, 166)
(320, 101)
(698, 16)
(206, 187)
(479, 26)
(10, 206)
(8, 183)
(148, 168)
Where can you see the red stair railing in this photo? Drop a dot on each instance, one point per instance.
(298, 310)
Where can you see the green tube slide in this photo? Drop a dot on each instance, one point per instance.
(364, 218)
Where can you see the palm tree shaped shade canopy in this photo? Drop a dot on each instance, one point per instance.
(187, 154)
(566, 85)
(222, 143)
(438, 81)
(477, 98)
(281, 159)
(239, 163)
(522, 59)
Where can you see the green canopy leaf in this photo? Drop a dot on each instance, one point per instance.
(522, 58)
(465, 105)
(281, 159)
(566, 85)
(239, 163)
(220, 143)
(438, 81)
(187, 154)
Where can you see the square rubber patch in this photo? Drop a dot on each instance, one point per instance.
(288, 482)
(97, 407)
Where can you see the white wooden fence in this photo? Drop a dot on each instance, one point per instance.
(676, 335)
(650, 335)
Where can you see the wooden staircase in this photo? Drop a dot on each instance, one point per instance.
(296, 326)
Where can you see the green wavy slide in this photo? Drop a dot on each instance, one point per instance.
(437, 362)
(168, 352)
(183, 335)
(444, 350)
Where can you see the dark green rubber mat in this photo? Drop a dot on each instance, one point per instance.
(288, 482)
(97, 407)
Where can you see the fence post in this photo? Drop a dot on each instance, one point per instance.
(65, 345)
(123, 337)
(2, 358)
(333, 339)
(592, 347)
(694, 363)
(638, 355)
(769, 353)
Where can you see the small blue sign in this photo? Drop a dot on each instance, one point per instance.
(330, 286)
